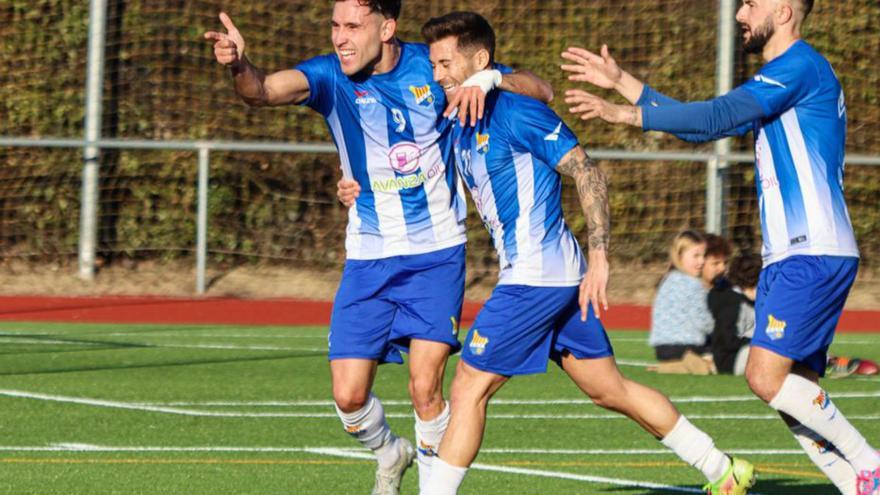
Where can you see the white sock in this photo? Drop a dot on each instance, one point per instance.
(697, 448)
(827, 458)
(811, 406)
(428, 437)
(444, 480)
(370, 428)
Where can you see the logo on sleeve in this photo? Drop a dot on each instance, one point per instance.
(767, 80)
(554, 136)
(482, 143)
(423, 95)
(775, 328)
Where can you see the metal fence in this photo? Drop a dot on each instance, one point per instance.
(718, 160)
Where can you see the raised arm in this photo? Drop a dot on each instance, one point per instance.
(601, 70)
(253, 85)
(592, 188)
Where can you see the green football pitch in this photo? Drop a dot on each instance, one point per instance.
(131, 409)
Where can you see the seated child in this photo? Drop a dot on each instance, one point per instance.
(680, 317)
(733, 309)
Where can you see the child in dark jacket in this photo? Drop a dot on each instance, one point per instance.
(733, 309)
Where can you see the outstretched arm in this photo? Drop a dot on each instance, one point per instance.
(592, 188)
(252, 85)
(728, 115)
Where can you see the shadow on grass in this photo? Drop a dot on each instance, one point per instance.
(776, 486)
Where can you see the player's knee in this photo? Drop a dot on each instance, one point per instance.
(762, 385)
(349, 400)
(426, 392)
(609, 399)
(472, 386)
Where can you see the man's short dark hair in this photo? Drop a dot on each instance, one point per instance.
(745, 270)
(807, 6)
(390, 9)
(472, 30)
(718, 246)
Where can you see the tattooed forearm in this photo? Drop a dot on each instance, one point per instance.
(592, 187)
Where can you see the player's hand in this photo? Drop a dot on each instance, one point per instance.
(593, 285)
(229, 46)
(589, 106)
(469, 100)
(588, 67)
(347, 191)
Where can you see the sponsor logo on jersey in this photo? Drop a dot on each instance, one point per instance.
(410, 181)
(822, 400)
(404, 157)
(423, 95)
(775, 328)
(362, 97)
(482, 143)
(478, 343)
(554, 136)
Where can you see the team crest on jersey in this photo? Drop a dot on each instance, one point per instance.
(775, 328)
(482, 143)
(822, 400)
(404, 157)
(423, 95)
(478, 343)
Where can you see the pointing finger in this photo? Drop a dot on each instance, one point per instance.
(227, 22)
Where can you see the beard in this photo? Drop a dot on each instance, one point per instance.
(760, 36)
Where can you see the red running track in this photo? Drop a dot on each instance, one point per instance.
(275, 312)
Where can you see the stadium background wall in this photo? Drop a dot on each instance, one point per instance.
(161, 83)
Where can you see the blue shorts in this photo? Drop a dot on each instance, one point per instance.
(521, 327)
(799, 302)
(382, 304)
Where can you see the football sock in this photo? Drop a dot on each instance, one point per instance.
(428, 437)
(445, 478)
(370, 428)
(697, 448)
(827, 458)
(811, 406)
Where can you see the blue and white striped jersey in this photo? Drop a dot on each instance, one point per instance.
(508, 161)
(800, 146)
(393, 140)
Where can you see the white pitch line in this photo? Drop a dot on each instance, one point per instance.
(313, 415)
(495, 402)
(533, 472)
(221, 414)
(152, 345)
(86, 447)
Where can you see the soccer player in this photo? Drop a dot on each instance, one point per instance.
(403, 281)
(543, 307)
(796, 108)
